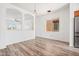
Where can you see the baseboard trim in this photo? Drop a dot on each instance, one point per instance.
(53, 39)
(3, 47)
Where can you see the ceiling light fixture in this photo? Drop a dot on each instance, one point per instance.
(35, 11)
(49, 11)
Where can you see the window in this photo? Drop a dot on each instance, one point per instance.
(52, 25)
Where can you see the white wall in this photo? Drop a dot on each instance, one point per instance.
(64, 22)
(73, 7)
(10, 37)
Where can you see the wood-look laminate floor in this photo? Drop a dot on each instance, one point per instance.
(40, 47)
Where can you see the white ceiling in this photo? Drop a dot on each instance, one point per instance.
(41, 8)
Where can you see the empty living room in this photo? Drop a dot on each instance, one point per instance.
(39, 29)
